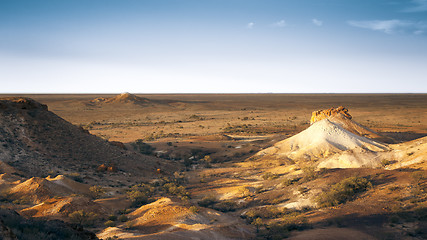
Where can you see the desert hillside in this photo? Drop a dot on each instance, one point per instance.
(37, 142)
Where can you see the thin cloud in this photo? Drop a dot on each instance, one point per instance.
(280, 23)
(317, 22)
(390, 26)
(420, 6)
(250, 25)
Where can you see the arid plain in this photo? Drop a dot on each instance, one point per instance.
(217, 166)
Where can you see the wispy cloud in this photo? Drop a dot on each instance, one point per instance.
(280, 23)
(419, 6)
(391, 26)
(317, 22)
(250, 25)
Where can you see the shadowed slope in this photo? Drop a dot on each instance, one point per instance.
(37, 142)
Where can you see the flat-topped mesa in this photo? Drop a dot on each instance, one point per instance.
(322, 114)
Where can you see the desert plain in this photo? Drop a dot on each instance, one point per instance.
(213, 166)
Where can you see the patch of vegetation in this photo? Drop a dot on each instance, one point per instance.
(16, 227)
(143, 147)
(144, 193)
(207, 201)
(270, 176)
(284, 221)
(309, 174)
(290, 181)
(225, 206)
(244, 192)
(343, 191)
(123, 218)
(194, 209)
(264, 213)
(83, 218)
(96, 191)
(141, 194)
(257, 129)
(196, 117)
(385, 163)
(110, 223)
(417, 177)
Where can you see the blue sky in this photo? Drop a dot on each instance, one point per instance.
(213, 46)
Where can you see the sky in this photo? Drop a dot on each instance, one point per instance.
(213, 46)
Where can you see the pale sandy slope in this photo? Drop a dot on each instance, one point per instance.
(166, 219)
(322, 141)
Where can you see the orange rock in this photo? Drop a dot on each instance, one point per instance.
(112, 168)
(102, 168)
(322, 114)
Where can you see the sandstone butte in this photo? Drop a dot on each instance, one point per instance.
(322, 114)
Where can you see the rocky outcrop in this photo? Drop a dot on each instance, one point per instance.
(20, 103)
(322, 114)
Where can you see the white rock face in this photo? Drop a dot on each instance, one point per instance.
(323, 140)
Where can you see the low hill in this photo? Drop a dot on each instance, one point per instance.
(37, 189)
(37, 142)
(121, 98)
(167, 219)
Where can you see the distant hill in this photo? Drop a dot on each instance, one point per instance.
(121, 98)
(37, 142)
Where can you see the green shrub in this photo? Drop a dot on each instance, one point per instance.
(140, 194)
(143, 147)
(385, 163)
(343, 191)
(257, 223)
(123, 218)
(309, 174)
(265, 212)
(194, 209)
(112, 217)
(418, 176)
(109, 223)
(96, 191)
(207, 201)
(83, 218)
(274, 231)
(138, 198)
(290, 181)
(175, 189)
(270, 176)
(225, 206)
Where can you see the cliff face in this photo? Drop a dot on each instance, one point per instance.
(322, 114)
